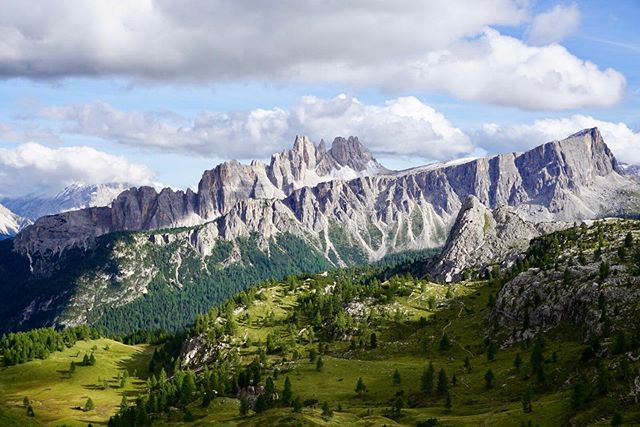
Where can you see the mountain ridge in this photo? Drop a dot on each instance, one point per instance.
(575, 178)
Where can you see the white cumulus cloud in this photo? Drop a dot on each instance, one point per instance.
(555, 24)
(35, 168)
(401, 126)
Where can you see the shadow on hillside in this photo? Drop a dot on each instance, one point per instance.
(137, 363)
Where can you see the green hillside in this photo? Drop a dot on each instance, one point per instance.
(57, 395)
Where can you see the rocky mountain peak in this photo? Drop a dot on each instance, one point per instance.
(350, 152)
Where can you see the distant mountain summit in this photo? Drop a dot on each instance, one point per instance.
(72, 197)
(10, 223)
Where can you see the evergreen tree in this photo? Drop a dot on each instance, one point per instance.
(326, 410)
(443, 383)
(488, 378)
(397, 408)
(244, 406)
(628, 240)
(579, 398)
(269, 390)
(319, 364)
(162, 378)
(297, 405)
(261, 404)
(537, 360)
(374, 340)
(616, 421)
(448, 404)
(30, 412)
(526, 401)
(89, 406)
(427, 379)
(287, 393)
(92, 360)
(454, 380)
(72, 368)
(492, 349)
(360, 387)
(188, 388)
(445, 344)
(517, 362)
(603, 379)
(397, 380)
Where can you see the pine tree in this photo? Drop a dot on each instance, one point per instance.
(603, 379)
(162, 377)
(261, 404)
(89, 406)
(297, 405)
(579, 398)
(188, 388)
(517, 362)
(72, 368)
(92, 360)
(244, 406)
(537, 360)
(397, 408)
(488, 378)
(628, 240)
(326, 410)
(428, 377)
(492, 349)
(374, 340)
(360, 387)
(445, 344)
(526, 401)
(287, 393)
(616, 421)
(443, 384)
(448, 404)
(397, 380)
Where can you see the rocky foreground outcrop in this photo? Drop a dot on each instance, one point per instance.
(481, 237)
(585, 277)
(348, 206)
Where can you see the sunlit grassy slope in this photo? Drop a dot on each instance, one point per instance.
(56, 395)
(406, 344)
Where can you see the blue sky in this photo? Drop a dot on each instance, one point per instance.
(157, 92)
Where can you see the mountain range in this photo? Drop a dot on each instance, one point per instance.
(18, 212)
(336, 206)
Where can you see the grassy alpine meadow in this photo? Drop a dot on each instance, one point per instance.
(58, 394)
(409, 330)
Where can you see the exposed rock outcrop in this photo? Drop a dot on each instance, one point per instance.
(481, 236)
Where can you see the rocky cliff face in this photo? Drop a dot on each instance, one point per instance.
(481, 236)
(363, 218)
(585, 276)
